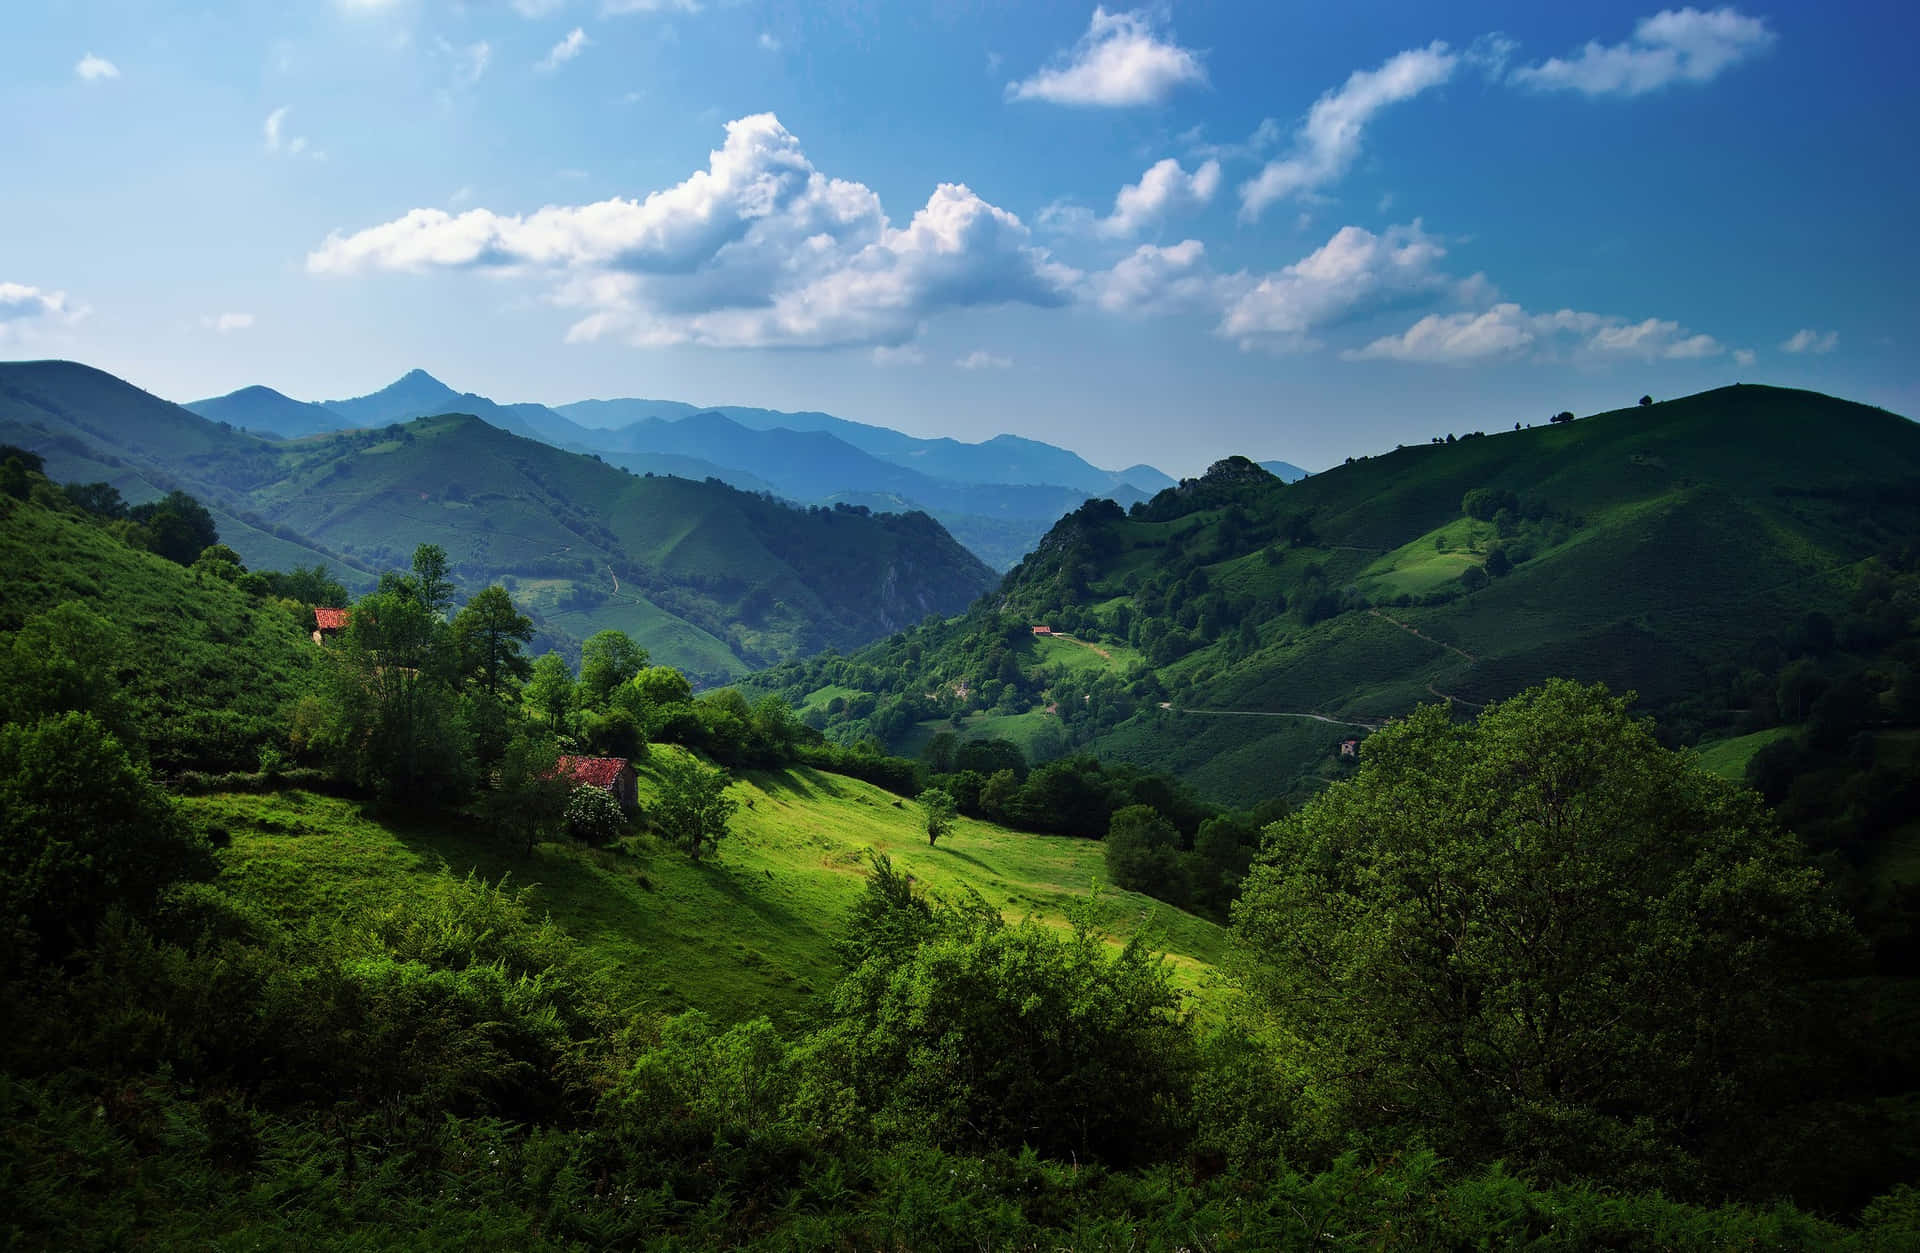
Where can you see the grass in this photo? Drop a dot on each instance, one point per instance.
(749, 933)
(1082, 655)
(1728, 758)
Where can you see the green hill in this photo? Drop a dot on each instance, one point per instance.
(207, 670)
(710, 578)
(1669, 549)
(749, 934)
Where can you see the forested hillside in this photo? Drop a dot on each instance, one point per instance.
(1237, 629)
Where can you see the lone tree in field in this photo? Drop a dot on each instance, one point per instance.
(693, 807)
(941, 810)
(1542, 937)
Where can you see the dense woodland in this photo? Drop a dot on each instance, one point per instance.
(1526, 976)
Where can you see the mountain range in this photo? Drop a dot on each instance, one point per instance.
(997, 497)
(709, 577)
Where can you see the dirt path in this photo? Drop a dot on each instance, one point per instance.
(1471, 704)
(1410, 629)
(1074, 639)
(1270, 713)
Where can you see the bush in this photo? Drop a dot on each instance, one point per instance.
(594, 817)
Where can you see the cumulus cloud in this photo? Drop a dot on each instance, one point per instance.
(92, 69)
(1327, 143)
(981, 359)
(759, 249)
(566, 50)
(1809, 340)
(1355, 272)
(1673, 46)
(1154, 280)
(1507, 331)
(1122, 61)
(1743, 356)
(26, 311)
(227, 322)
(1164, 189)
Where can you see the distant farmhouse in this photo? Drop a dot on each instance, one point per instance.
(328, 623)
(613, 775)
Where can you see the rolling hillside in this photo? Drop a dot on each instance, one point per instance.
(749, 934)
(1667, 549)
(710, 578)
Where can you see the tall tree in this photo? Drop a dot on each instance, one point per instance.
(393, 723)
(607, 660)
(940, 810)
(692, 806)
(1540, 936)
(550, 692)
(488, 635)
(431, 582)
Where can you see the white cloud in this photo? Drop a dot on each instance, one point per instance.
(536, 8)
(1121, 61)
(278, 141)
(1354, 272)
(226, 322)
(92, 68)
(26, 311)
(1328, 142)
(1164, 189)
(768, 43)
(1809, 340)
(981, 359)
(1153, 280)
(1743, 356)
(616, 8)
(564, 51)
(1507, 331)
(757, 250)
(1673, 46)
(905, 354)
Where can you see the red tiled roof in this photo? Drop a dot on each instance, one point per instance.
(331, 619)
(597, 771)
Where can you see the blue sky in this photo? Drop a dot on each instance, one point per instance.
(1163, 233)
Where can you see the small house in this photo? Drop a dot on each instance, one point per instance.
(1043, 630)
(1349, 748)
(328, 623)
(613, 775)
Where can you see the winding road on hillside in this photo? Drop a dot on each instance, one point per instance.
(1270, 713)
(1413, 630)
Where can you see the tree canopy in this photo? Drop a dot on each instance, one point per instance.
(1540, 936)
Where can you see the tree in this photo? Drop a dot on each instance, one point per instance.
(1499, 565)
(1646, 400)
(487, 637)
(393, 722)
(1565, 415)
(430, 580)
(1540, 936)
(1473, 578)
(529, 795)
(82, 830)
(176, 527)
(940, 808)
(608, 659)
(692, 807)
(1143, 854)
(550, 691)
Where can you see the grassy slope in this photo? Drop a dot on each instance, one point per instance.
(749, 934)
(209, 670)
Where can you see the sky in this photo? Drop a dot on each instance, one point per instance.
(1164, 234)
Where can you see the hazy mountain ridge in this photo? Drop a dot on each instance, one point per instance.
(997, 496)
(714, 579)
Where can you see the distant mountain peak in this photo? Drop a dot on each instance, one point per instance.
(417, 377)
